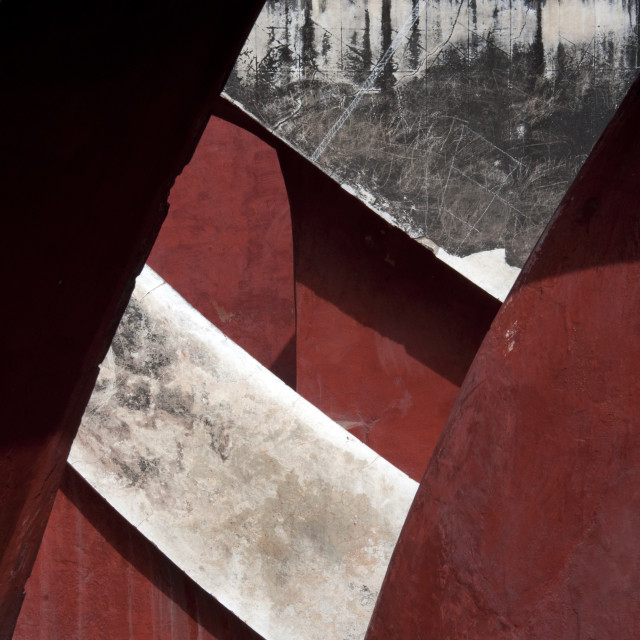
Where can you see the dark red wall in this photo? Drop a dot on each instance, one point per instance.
(526, 522)
(226, 245)
(97, 577)
(102, 105)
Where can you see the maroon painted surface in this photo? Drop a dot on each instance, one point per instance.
(102, 104)
(226, 244)
(97, 577)
(385, 331)
(526, 522)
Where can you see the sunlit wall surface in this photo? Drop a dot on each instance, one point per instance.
(463, 123)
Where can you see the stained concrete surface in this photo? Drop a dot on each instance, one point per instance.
(270, 506)
(461, 122)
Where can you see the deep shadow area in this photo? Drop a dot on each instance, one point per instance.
(102, 106)
(284, 365)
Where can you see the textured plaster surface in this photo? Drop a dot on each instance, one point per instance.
(461, 122)
(269, 505)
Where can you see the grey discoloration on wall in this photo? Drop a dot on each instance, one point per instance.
(461, 122)
(273, 508)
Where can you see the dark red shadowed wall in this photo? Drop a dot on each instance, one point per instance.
(97, 577)
(526, 522)
(102, 105)
(226, 244)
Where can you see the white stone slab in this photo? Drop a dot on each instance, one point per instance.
(270, 506)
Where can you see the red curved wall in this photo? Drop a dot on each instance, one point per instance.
(526, 522)
(226, 244)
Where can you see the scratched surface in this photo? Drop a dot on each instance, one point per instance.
(461, 122)
(288, 520)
